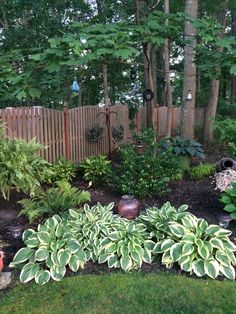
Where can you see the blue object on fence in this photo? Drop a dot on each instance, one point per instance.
(75, 87)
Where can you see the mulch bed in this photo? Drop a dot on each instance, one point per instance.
(200, 195)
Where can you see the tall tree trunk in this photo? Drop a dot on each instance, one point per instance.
(233, 87)
(154, 74)
(166, 56)
(105, 85)
(214, 88)
(188, 108)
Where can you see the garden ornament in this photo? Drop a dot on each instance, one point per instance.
(75, 86)
(226, 163)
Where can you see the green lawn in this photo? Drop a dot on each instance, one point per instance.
(123, 293)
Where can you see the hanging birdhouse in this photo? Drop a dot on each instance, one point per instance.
(75, 87)
(148, 94)
(133, 73)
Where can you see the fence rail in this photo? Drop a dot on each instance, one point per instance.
(65, 132)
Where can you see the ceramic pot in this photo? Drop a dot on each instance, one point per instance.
(128, 207)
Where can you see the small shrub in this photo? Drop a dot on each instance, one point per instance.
(228, 198)
(21, 167)
(147, 174)
(95, 169)
(201, 171)
(53, 201)
(62, 170)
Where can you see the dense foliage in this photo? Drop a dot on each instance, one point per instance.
(95, 169)
(55, 200)
(228, 198)
(96, 233)
(145, 174)
(62, 170)
(21, 167)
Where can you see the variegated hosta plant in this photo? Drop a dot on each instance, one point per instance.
(126, 246)
(196, 246)
(48, 251)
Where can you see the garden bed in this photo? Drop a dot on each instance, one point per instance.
(200, 195)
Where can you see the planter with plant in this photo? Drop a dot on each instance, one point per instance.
(95, 133)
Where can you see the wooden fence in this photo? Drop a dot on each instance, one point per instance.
(65, 132)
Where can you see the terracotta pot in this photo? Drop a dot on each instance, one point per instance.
(128, 207)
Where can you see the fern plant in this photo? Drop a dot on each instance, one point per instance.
(52, 201)
(202, 170)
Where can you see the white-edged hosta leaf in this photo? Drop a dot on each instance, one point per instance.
(73, 246)
(112, 261)
(202, 224)
(54, 258)
(41, 254)
(114, 236)
(212, 229)
(102, 258)
(137, 258)
(126, 263)
(186, 266)
(166, 244)
(42, 277)
(175, 252)
(198, 267)
(203, 252)
(187, 249)
(188, 238)
(182, 208)
(27, 233)
(217, 243)
(147, 256)
(228, 272)
(64, 257)
(177, 229)
(222, 258)
(212, 268)
(74, 263)
(28, 272)
(23, 255)
(74, 214)
(81, 254)
(149, 245)
(57, 273)
(44, 237)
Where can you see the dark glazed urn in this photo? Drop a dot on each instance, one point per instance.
(128, 207)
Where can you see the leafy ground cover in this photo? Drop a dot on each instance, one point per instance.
(123, 293)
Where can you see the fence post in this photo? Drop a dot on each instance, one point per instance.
(66, 130)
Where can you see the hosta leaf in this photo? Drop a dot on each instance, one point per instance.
(166, 244)
(23, 255)
(42, 277)
(177, 230)
(57, 273)
(202, 224)
(74, 214)
(41, 254)
(32, 241)
(27, 233)
(112, 261)
(203, 251)
(49, 262)
(114, 236)
(217, 243)
(175, 252)
(54, 258)
(212, 229)
(187, 249)
(222, 258)
(186, 266)
(126, 263)
(230, 208)
(147, 256)
(225, 199)
(182, 208)
(187, 222)
(103, 258)
(59, 230)
(64, 257)
(73, 246)
(212, 268)
(111, 247)
(149, 245)
(198, 267)
(124, 251)
(232, 257)
(44, 237)
(228, 272)
(137, 258)
(157, 248)
(166, 258)
(188, 238)
(74, 263)
(223, 232)
(28, 272)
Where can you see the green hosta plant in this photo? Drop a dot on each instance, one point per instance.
(91, 225)
(62, 170)
(197, 247)
(21, 167)
(48, 252)
(228, 198)
(202, 170)
(95, 169)
(126, 246)
(54, 200)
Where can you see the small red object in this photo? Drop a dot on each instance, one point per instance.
(1, 260)
(128, 207)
